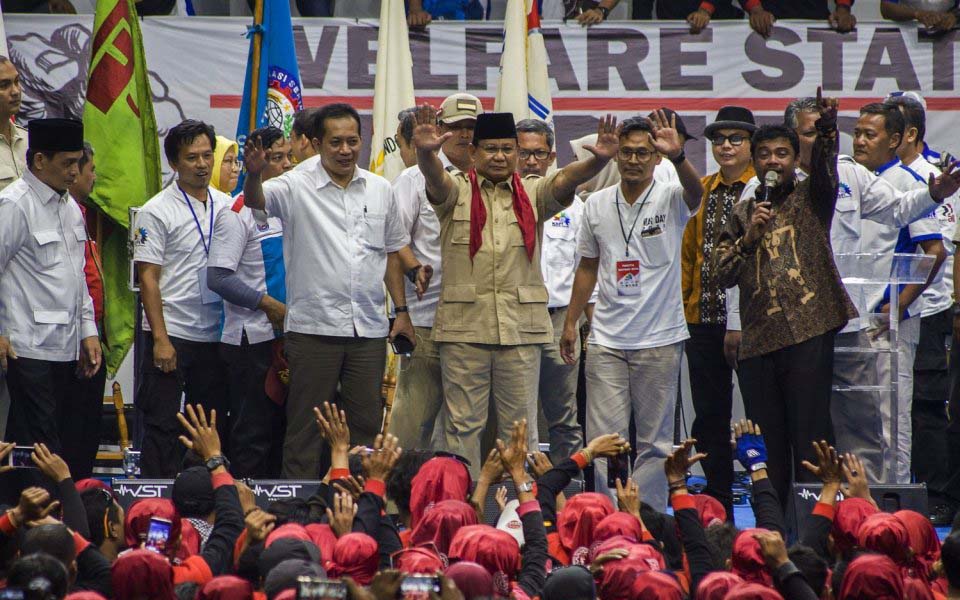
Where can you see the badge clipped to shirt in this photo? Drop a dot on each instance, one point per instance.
(628, 277)
(207, 296)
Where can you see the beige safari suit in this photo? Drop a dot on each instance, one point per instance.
(492, 316)
(13, 156)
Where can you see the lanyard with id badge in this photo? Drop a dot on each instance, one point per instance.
(627, 268)
(207, 296)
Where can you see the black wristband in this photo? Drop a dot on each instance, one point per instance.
(679, 159)
(604, 11)
(400, 309)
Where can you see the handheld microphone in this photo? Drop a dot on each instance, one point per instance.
(770, 180)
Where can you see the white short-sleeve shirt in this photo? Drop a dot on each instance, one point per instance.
(172, 236)
(418, 218)
(655, 316)
(558, 254)
(254, 252)
(336, 244)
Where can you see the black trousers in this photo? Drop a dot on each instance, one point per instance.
(256, 422)
(931, 390)
(80, 424)
(787, 392)
(201, 376)
(39, 390)
(711, 383)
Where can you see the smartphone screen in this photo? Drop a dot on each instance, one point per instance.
(420, 584)
(315, 588)
(20, 458)
(617, 468)
(158, 534)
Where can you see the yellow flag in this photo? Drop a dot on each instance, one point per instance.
(393, 88)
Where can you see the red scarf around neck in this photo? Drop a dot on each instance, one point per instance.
(521, 208)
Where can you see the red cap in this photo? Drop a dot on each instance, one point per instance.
(418, 561)
(579, 518)
(872, 577)
(617, 577)
(923, 540)
(441, 521)
(716, 585)
(613, 543)
(287, 530)
(851, 513)
(656, 585)
(747, 561)
(886, 534)
(472, 579)
(440, 478)
(710, 510)
(356, 555)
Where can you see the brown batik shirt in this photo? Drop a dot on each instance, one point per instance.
(790, 289)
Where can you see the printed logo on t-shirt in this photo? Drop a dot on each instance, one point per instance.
(655, 221)
(844, 191)
(560, 220)
(141, 236)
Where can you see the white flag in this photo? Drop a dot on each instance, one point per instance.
(524, 88)
(393, 88)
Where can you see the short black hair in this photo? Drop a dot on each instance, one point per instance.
(183, 134)
(400, 479)
(720, 538)
(813, 567)
(635, 124)
(305, 123)
(87, 155)
(538, 127)
(337, 110)
(99, 506)
(950, 557)
(913, 114)
(54, 540)
(40, 577)
(268, 135)
(50, 154)
(408, 120)
(290, 510)
(766, 133)
(893, 121)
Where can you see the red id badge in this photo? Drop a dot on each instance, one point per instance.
(628, 277)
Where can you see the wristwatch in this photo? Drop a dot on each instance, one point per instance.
(604, 11)
(400, 309)
(217, 461)
(679, 159)
(757, 466)
(526, 486)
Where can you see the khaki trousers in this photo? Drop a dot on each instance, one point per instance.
(419, 398)
(473, 374)
(558, 394)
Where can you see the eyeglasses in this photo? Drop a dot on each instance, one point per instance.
(735, 140)
(538, 154)
(628, 154)
(494, 150)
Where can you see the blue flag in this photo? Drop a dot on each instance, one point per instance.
(271, 91)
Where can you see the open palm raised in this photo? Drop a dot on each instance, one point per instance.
(426, 134)
(608, 139)
(666, 138)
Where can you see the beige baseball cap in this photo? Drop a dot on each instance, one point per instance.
(459, 107)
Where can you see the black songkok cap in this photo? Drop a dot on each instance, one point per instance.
(55, 135)
(494, 126)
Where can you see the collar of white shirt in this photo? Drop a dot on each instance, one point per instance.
(324, 179)
(43, 191)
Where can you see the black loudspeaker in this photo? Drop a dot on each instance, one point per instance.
(890, 498)
(491, 512)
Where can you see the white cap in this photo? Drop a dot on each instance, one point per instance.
(913, 95)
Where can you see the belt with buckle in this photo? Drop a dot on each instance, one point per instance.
(556, 309)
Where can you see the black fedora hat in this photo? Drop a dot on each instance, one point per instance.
(732, 117)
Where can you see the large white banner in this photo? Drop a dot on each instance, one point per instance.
(197, 67)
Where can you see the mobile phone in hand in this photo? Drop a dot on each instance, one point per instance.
(158, 534)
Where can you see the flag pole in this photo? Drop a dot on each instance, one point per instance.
(255, 70)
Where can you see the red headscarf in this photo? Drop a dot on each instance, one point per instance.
(872, 577)
(747, 561)
(137, 522)
(916, 589)
(473, 580)
(226, 587)
(189, 540)
(142, 575)
(752, 591)
(886, 534)
(850, 514)
(710, 510)
(577, 521)
(654, 585)
(323, 537)
(84, 595)
(618, 575)
(496, 551)
(716, 585)
(287, 530)
(418, 561)
(923, 541)
(617, 541)
(619, 523)
(355, 555)
(521, 208)
(440, 478)
(90, 484)
(287, 594)
(441, 521)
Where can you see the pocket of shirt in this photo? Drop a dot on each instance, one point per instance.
(653, 251)
(373, 230)
(48, 247)
(50, 329)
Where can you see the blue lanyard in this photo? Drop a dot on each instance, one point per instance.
(203, 240)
